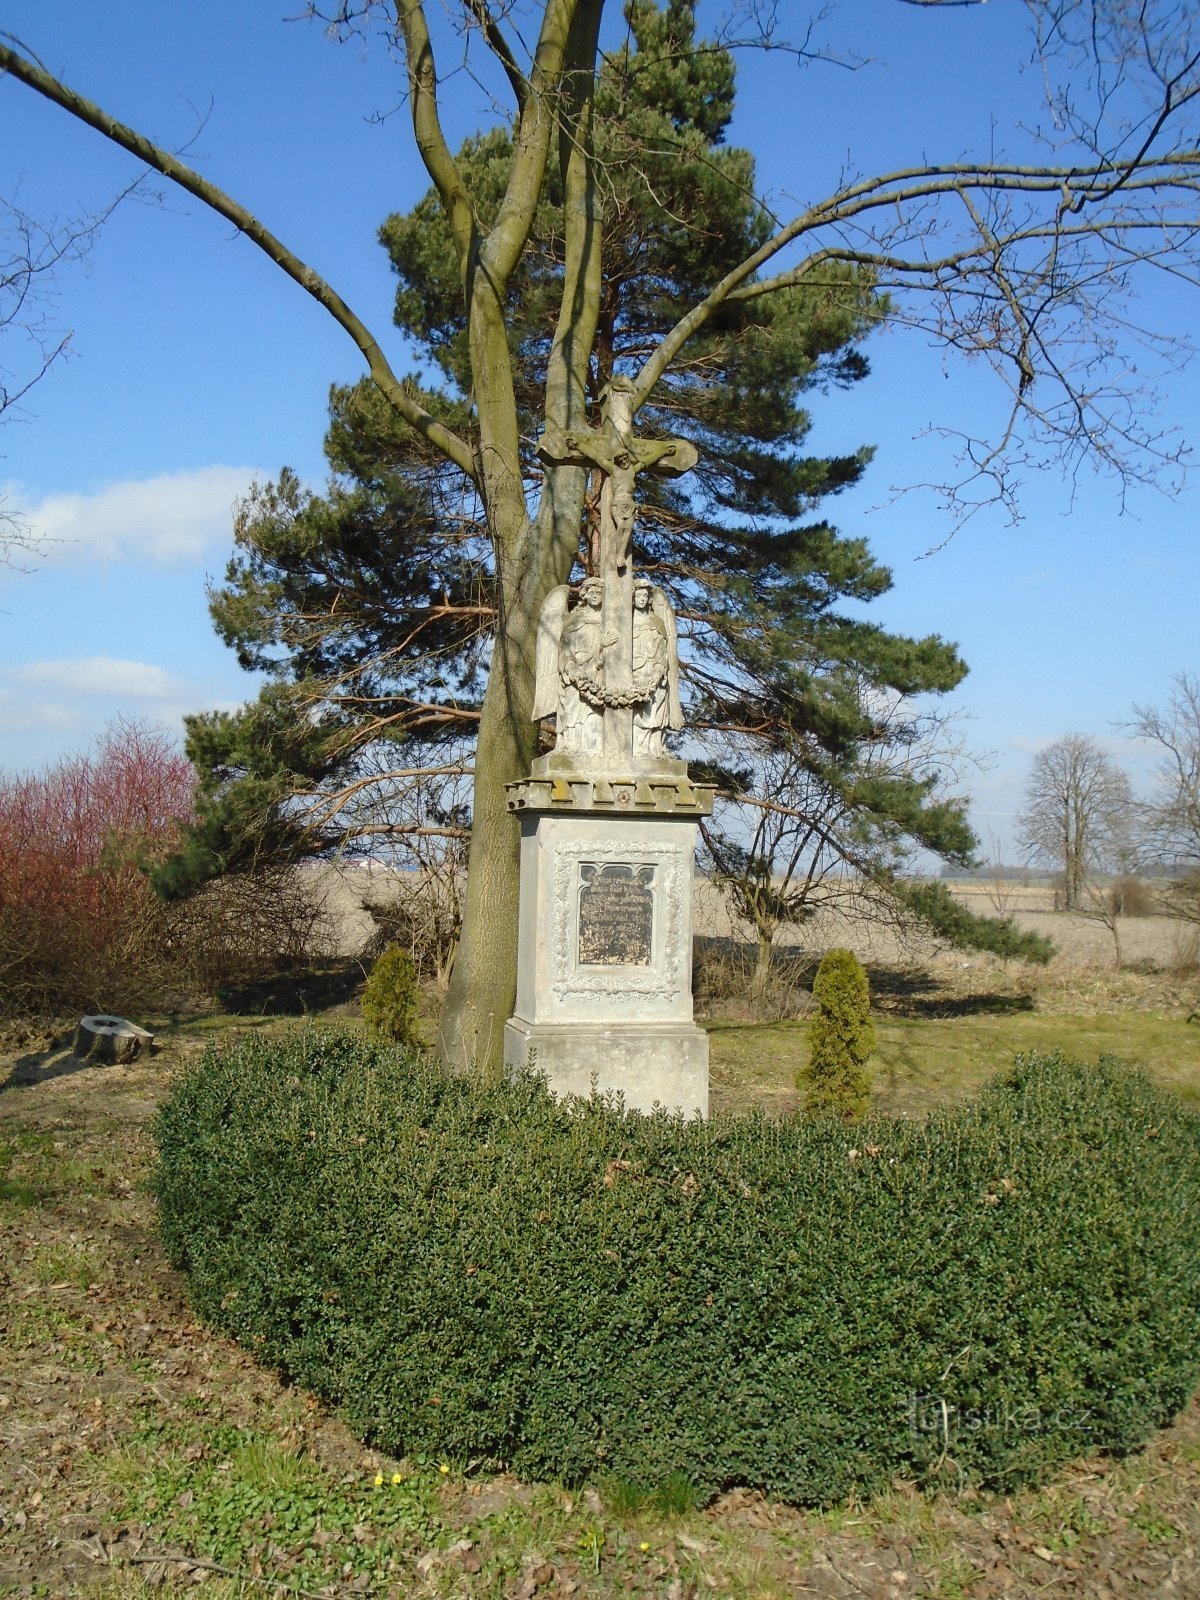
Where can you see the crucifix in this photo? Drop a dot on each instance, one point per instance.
(619, 456)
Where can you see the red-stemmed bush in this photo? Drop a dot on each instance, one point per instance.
(80, 928)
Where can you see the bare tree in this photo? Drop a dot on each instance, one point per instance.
(1171, 818)
(794, 837)
(1078, 812)
(1029, 264)
(1100, 904)
(424, 821)
(778, 851)
(1001, 883)
(31, 254)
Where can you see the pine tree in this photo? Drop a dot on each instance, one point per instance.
(371, 604)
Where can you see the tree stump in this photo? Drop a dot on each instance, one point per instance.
(110, 1039)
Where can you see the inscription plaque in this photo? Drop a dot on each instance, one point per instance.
(616, 914)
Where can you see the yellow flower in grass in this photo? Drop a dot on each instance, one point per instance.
(645, 1545)
(444, 1468)
(396, 1478)
(378, 1479)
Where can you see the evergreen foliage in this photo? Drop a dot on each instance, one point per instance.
(934, 905)
(487, 1275)
(841, 1037)
(389, 999)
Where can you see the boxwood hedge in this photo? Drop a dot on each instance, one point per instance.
(488, 1275)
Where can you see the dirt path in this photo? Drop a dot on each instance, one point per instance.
(108, 1385)
(97, 1334)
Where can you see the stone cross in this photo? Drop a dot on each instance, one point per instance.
(620, 457)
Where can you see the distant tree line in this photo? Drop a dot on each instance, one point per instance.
(1082, 818)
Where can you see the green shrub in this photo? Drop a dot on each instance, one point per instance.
(484, 1274)
(389, 999)
(841, 1038)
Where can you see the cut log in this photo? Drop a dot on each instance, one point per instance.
(110, 1039)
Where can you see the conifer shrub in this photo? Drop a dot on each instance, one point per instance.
(390, 996)
(841, 1038)
(481, 1273)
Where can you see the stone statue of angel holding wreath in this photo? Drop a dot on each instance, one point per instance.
(570, 667)
(575, 681)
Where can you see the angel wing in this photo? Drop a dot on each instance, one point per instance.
(549, 633)
(665, 612)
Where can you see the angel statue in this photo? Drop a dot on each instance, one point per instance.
(571, 681)
(569, 667)
(655, 669)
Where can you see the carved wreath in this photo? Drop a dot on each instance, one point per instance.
(596, 694)
(550, 673)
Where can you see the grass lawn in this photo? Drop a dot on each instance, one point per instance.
(923, 1062)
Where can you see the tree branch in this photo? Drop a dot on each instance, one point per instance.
(502, 50)
(443, 438)
(1035, 286)
(538, 120)
(431, 140)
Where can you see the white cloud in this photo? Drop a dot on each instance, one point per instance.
(171, 519)
(62, 704)
(20, 714)
(96, 675)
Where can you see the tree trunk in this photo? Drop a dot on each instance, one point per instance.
(531, 558)
(110, 1039)
(483, 982)
(762, 964)
(1073, 883)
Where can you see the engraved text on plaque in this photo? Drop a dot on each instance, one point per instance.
(616, 914)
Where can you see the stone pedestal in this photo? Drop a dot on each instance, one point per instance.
(608, 817)
(604, 957)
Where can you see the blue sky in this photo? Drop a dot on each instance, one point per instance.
(195, 365)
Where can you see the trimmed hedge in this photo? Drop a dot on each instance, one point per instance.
(484, 1274)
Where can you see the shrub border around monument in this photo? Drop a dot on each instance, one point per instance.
(570, 1292)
